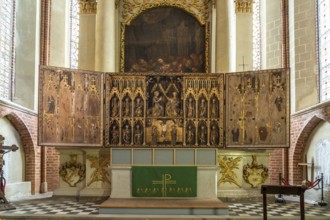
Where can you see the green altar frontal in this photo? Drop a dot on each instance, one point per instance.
(164, 181)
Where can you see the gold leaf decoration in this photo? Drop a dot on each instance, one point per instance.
(197, 8)
(73, 172)
(100, 173)
(227, 166)
(254, 173)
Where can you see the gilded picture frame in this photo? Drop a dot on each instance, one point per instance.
(170, 53)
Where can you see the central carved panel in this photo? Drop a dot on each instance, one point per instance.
(172, 110)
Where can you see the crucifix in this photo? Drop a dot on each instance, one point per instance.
(243, 64)
(4, 204)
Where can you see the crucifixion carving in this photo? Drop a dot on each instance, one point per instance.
(4, 204)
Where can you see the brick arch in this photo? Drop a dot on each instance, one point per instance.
(297, 148)
(28, 146)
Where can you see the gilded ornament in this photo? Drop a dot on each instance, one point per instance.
(198, 8)
(88, 6)
(227, 166)
(243, 6)
(255, 174)
(100, 173)
(73, 172)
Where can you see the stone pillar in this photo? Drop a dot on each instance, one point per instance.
(222, 62)
(244, 35)
(27, 46)
(59, 34)
(87, 25)
(105, 50)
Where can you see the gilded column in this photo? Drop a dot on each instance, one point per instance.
(105, 36)
(244, 35)
(87, 34)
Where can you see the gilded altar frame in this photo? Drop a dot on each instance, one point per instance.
(130, 9)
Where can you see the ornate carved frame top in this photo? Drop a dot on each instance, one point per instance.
(198, 8)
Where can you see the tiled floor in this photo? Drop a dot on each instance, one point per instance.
(50, 208)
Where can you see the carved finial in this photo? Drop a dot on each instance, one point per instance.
(88, 6)
(243, 6)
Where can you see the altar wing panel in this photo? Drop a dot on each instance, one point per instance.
(257, 110)
(70, 107)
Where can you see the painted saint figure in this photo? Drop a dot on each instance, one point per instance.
(114, 107)
(51, 104)
(138, 138)
(203, 135)
(190, 136)
(154, 135)
(138, 107)
(164, 129)
(157, 109)
(115, 135)
(127, 107)
(214, 108)
(172, 105)
(126, 135)
(278, 102)
(214, 135)
(190, 108)
(203, 108)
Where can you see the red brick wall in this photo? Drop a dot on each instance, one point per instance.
(53, 164)
(302, 125)
(275, 166)
(26, 122)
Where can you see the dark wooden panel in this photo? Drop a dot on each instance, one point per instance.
(70, 107)
(257, 109)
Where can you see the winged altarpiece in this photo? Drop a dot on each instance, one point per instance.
(247, 109)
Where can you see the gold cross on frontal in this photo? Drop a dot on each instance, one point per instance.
(166, 180)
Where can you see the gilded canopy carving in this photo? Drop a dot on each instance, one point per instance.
(197, 8)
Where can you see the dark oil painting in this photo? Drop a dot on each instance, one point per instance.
(165, 39)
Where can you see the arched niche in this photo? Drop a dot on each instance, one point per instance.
(14, 165)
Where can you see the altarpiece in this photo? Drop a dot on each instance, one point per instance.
(249, 109)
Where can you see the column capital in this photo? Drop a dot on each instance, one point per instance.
(88, 6)
(243, 6)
